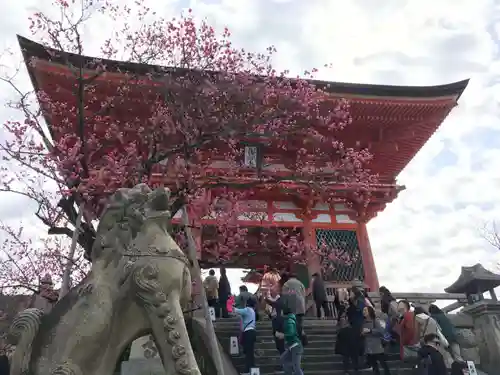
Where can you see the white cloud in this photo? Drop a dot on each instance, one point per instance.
(421, 240)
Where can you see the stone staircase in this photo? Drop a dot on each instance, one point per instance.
(319, 355)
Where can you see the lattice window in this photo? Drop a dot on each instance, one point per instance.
(344, 263)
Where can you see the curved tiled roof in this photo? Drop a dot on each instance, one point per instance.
(393, 122)
(32, 49)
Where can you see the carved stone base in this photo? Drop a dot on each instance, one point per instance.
(142, 367)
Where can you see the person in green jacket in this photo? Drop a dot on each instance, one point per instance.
(292, 356)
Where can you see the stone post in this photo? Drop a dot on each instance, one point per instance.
(486, 317)
(144, 358)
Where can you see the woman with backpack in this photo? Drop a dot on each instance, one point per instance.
(448, 331)
(373, 333)
(427, 325)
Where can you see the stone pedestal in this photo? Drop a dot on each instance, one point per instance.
(144, 358)
(486, 316)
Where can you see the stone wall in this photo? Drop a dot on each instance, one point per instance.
(485, 315)
(467, 338)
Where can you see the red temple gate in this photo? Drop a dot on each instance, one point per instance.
(392, 122)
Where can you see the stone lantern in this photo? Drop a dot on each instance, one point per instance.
(474, 281)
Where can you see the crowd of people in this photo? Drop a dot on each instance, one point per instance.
(424, 338)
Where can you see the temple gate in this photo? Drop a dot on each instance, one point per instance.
(391, 122)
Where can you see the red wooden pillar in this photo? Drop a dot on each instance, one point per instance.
(313, 261)
(371, 278)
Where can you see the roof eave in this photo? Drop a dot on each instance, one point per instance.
(32, 49)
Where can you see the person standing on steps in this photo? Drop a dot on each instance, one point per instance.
(292, 356)
(248, 332)
(319, 295)
(341, 302)
(244, 296)
(389, 307)
(275, 302)
(224, 293)
(373, 332)
(293, 293)
(448, 331)
(427, 325)
(211, 286)
(356, 318)
(346, 347)
(409, 333)
(388, 303)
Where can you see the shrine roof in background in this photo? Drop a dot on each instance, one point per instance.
(392, 122)
(473, 280)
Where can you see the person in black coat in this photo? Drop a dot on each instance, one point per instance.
(429, 356)
(347, 346)
(277, 323)
(224, 292)
(319, 295)
(356, 318)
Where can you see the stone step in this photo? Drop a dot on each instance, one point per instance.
(272, 352)
(367, 371)
(268, 330)
(318, 357)
(316, 344)
(263, 320)
(268, 337)
(272, 364)
(273, 358)
(310, 321)
(268, 367)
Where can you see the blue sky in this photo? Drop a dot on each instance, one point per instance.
(453, 185)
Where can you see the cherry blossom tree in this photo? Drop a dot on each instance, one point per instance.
(27, 261)
(191, 100)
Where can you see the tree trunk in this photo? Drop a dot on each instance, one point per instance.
(196, 273)
(66, 279)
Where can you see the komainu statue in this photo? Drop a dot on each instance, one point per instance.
(139, 284)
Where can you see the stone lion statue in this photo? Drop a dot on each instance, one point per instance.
(139, 284)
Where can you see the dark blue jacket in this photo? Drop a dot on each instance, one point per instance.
(355, 312)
